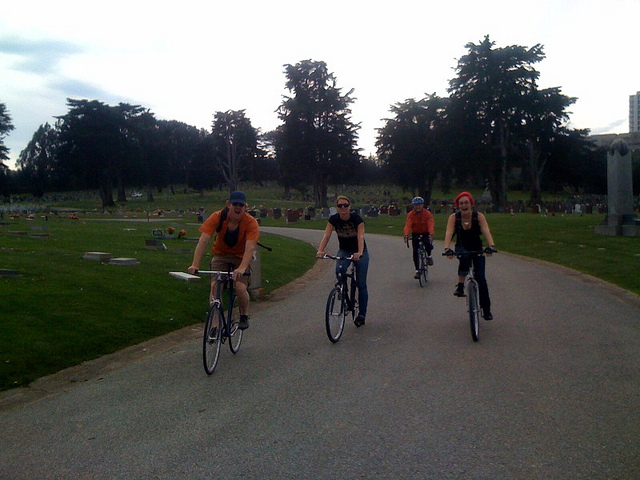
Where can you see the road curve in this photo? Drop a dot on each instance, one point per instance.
(550, 391)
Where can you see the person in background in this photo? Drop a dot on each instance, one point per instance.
(236, 237)
(349, 228)
(467, 225)
(419, 222)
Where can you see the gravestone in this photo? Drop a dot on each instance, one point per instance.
(620, 218)
(185, 276)
(123, 261)
(155, 245)
(97, 256)
(7, 272)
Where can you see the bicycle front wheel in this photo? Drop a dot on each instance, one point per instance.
(235, 334)
(474, 310)
(424, 269)
(212, 339)
(335, 314)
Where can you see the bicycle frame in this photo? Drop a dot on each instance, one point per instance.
(223, 279)
(423, 269)
(220, 325)
(472, 293)
(342, 300)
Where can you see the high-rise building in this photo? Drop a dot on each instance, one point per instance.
(634, 112)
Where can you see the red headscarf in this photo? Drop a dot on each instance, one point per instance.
(464, 194)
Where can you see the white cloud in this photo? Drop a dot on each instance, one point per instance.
(187, 60)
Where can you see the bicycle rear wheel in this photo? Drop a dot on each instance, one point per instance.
(335, 314)
(424, 268)
(212, 339)
(235, 334)
(474, 310)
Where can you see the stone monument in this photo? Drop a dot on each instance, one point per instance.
(620, 218)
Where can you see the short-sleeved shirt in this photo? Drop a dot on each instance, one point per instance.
(247, 230)
(347, 231)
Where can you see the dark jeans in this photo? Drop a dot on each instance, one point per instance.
(427, 245)
(362, 267)
(479, 264)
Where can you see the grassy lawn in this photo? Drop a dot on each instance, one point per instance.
(62, 310)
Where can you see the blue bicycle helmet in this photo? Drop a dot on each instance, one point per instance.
(417, 200)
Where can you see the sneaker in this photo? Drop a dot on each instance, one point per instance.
(487, 316)
(429, 261)
(459, 291)
(359, 321)
(417, 275)
(243, 324)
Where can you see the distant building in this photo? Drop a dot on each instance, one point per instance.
(605, 140)
(634, 112)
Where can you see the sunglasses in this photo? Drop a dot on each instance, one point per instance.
(343, 205)
(237, 204)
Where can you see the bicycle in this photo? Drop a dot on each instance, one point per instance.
(342, 300)
(220, 325)
(423, 262)
(471, 289)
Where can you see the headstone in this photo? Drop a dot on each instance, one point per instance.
(6, 272)
(97, 256)
(292, 216)
(185, 276)
(123, 261)
(256, 271)
(155, 245)
(620, 218)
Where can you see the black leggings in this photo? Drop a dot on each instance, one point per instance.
(415, 238)
(479, 263)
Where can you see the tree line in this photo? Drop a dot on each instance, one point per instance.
(496, 128)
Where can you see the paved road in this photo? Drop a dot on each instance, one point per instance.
(550, 391)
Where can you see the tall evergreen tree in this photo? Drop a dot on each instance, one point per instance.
(410, 145)
(490, 92)
(316, 142)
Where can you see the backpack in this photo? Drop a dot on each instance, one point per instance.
(223, 217)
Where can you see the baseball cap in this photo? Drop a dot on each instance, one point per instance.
(238, 197)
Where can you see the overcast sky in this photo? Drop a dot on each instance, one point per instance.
(188, 59)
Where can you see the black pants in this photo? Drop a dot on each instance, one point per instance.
(415, 238)
(479, 264)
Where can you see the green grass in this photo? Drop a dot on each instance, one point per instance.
(568, 240)
(63, 310)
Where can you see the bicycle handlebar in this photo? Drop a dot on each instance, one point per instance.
(486, 251)
(332, 257)
(220, 273)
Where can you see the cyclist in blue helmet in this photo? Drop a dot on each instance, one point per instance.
(419, 222)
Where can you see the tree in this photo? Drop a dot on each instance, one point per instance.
(6, 126)
(544, 119)
(316, 142)
(410, 144)
(491, 89)
(235, 144)
(91, 146)
(181, 141)
(38, 160)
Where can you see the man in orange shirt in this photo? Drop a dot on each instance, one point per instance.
(419, 222)
(236, 239)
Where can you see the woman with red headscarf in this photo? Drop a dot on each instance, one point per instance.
(467, 225)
